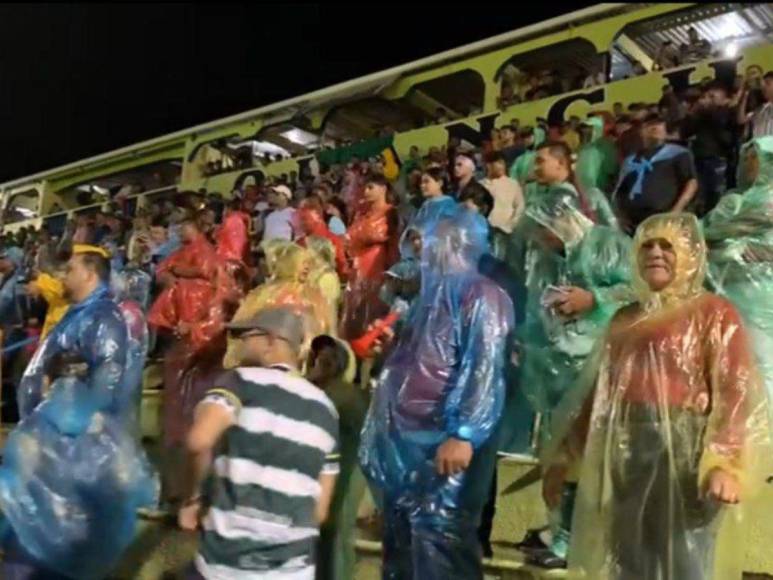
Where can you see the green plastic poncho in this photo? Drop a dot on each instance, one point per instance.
(591, 257)
(522, 169)
(668, 396)
(739, 233)
(597, 161)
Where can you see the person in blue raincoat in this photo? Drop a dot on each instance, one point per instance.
(73, 474)
(739, 234)
(429, 443)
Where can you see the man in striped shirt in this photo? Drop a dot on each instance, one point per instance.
(263, 436)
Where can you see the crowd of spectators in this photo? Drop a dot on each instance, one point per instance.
(679, 154)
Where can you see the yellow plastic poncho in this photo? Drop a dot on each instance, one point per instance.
(52, 291)
(670, 394)
(323, 274)
(290, 285)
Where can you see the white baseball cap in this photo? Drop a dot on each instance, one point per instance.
(283, 190)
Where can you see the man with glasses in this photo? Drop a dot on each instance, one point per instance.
(266, 435)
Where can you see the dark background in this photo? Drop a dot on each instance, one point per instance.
(79, 80)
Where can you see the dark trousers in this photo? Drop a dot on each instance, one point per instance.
(442, 545)
(487, 517)
(712, 182)
(662, 528)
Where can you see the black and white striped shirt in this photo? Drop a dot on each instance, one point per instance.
(265, 476)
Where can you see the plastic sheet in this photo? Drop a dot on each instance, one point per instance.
(198, 306)
(311, 224)
(670, 395)
(575, 254)
(373, 242)
(189, 299)
(443, 379)
(73, 474)
(133, 284)
(323, 276)
(290, 285)
(739, 232)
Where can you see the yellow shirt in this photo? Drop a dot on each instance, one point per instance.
(52, 291)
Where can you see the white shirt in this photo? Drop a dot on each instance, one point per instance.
(762, 121)
(508, 203)
(279, 224)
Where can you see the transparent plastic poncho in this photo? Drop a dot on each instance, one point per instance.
(591, 257)
(739, 233)
(597, 161)
(290, 284)
(443, 378)
(73, 474)
(670, 394)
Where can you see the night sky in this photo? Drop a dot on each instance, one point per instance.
(79, 80)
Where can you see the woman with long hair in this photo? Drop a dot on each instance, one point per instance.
(372, 246)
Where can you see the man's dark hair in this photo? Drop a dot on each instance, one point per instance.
(494, 157)
(527, 131)
(98, 264)
(717, 86)
(652, 119)
(158, 222)
(768, 76)
(437, 173)
(324, 341)
(378, 179)
(558, 149)
(340, 205)
(480, 196)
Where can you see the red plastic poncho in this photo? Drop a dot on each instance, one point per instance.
(311, 223)
(190, 300)
(373, 239)
(232, 239)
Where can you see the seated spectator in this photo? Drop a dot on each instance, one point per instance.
(507, 96)
(617, 109)
(697, 49)
(594, 79)
(441, 116)
(279, 222)
(660, 178)
(667, 56)
(532, 88)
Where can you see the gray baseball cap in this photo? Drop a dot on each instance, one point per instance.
(278, 321)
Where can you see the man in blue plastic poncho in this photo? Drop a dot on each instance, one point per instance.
(739, 233)
(73, 475)
(577, 277)
(429, 443)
